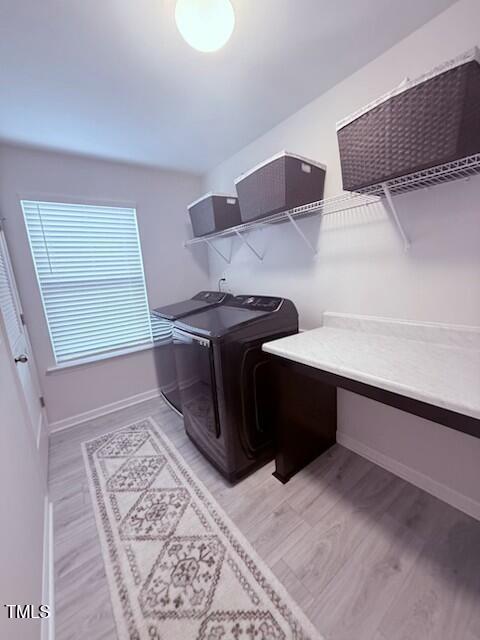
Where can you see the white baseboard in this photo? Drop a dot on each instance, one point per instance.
(73, 421)
(48, 587)
(443, 492)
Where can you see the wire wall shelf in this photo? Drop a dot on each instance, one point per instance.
(456, 170)
(383, 193)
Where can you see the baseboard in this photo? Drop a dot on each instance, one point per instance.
(73, 421)
(48, 587)
(443, 492)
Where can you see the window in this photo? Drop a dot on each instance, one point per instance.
(90, 272)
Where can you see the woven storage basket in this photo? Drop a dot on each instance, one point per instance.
(214, 212)
(282, 182)
(421, 124)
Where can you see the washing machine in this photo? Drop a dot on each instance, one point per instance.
(224, 379)
(164, 318)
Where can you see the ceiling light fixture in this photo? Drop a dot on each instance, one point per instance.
(205, 24)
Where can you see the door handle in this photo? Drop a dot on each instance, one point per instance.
(22, 358)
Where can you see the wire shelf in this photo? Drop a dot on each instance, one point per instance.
(328, 206)
(457, 170)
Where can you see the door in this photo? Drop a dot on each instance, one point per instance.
(196, 382)
(165, 360)
(19, 343)
(22, 481)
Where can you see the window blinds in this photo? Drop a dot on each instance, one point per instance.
(161, 330)
(8, 305)
(90, 272)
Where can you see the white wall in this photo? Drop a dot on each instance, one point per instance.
(171, 272)
(360, 266)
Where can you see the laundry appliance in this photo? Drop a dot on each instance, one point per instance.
(224, 379)
(164, 318)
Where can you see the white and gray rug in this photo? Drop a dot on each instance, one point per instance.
(177, 567)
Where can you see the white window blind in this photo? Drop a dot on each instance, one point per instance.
(161, 330)
(90, 273)
(8, 305)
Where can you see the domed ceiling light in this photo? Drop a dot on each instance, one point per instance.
(205, 24)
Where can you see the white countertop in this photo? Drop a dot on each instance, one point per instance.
(443, 374)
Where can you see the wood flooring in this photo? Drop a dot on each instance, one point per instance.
(365, 554)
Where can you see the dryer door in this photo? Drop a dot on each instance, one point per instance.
(196, 383)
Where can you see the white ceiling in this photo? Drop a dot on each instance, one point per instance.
(114, 78)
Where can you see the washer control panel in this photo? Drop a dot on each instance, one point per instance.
(211, 296)
(259, 303)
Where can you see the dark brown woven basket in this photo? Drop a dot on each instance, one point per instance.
(281, 183)
(434, 122)
(214, 213)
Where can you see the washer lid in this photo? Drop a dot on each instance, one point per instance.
(219, 321)
(202, 300)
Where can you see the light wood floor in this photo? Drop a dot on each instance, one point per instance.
(365, 554)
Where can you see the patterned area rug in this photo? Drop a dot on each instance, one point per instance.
(178, 568)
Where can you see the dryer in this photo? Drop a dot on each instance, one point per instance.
(163, 339)
(223, 378)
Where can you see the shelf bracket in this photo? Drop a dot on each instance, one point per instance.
(301, 234)
(247, 243)
(396, 219)
(212, 246)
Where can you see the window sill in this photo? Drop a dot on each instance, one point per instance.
(81, 362)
